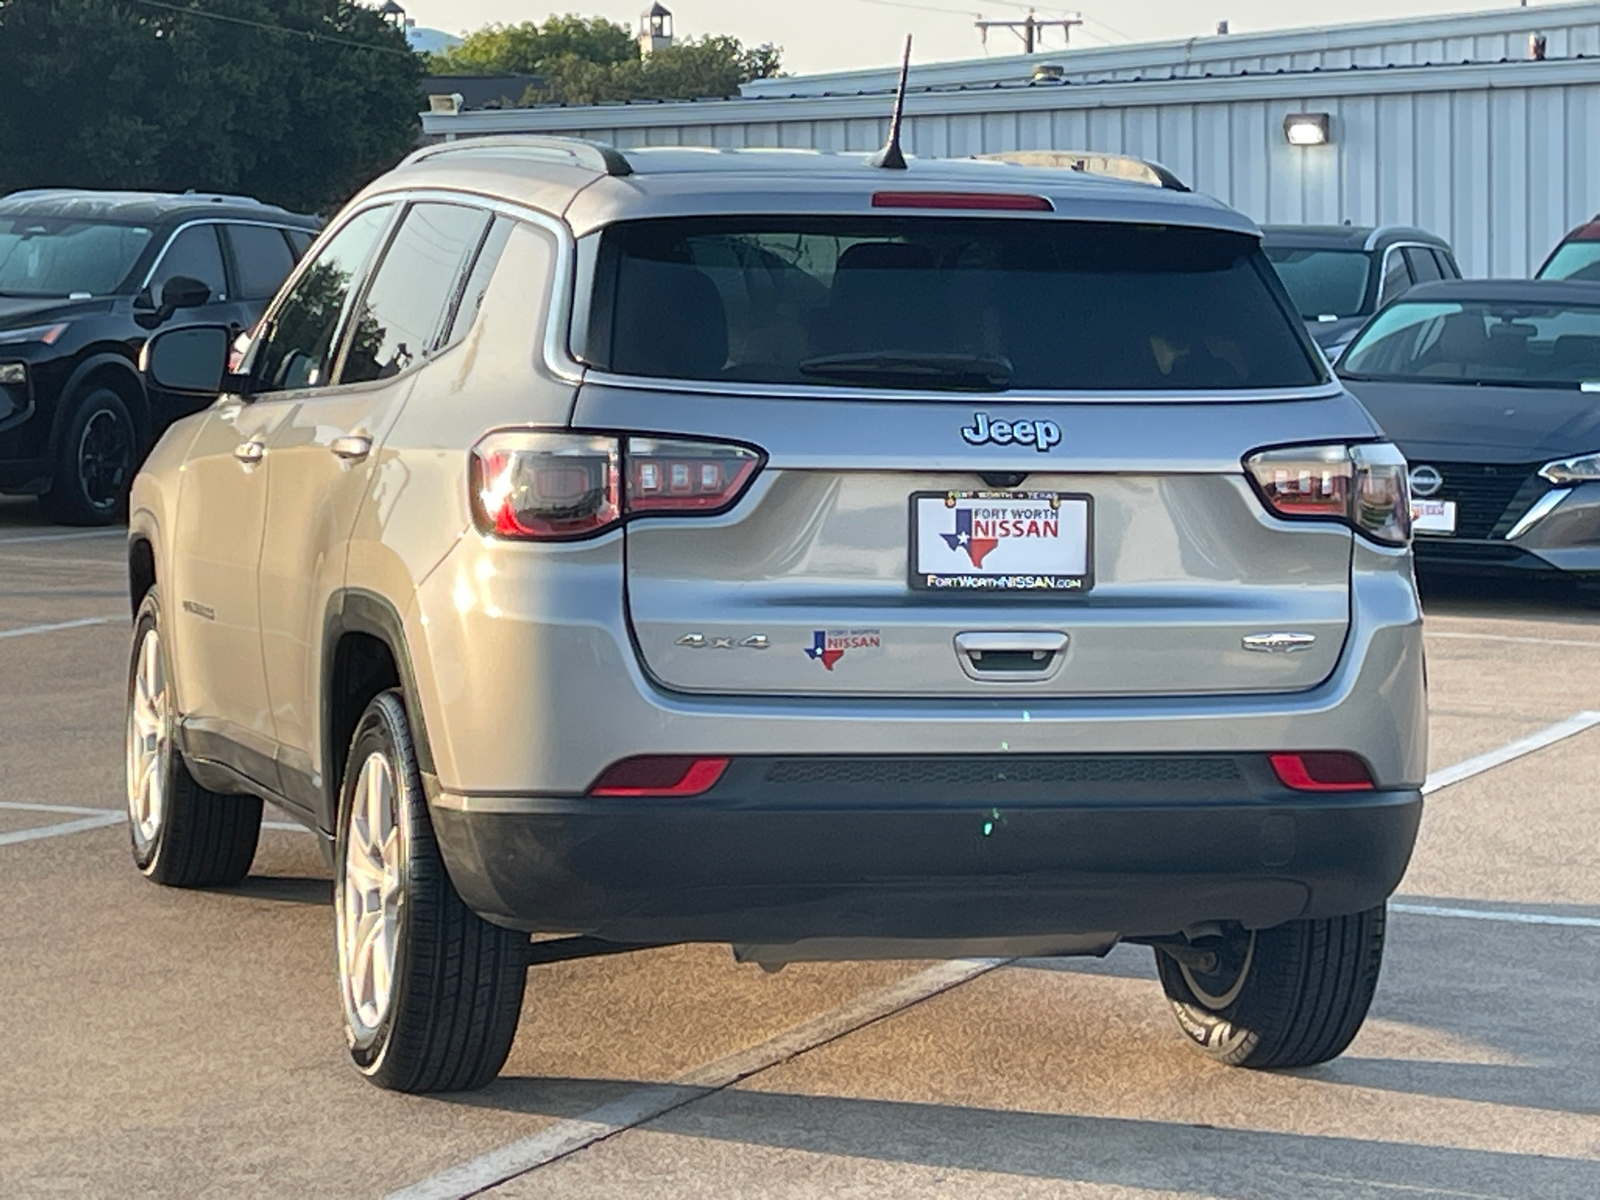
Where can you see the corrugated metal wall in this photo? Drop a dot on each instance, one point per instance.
(1570, 30)
(1502, 171)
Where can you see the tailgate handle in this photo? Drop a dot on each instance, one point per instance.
(1010, 652)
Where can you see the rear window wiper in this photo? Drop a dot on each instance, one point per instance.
(960, 372)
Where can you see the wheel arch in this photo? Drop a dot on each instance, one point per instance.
(108, 369)
(364, 652)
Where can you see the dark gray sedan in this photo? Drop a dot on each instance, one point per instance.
(1492, 391)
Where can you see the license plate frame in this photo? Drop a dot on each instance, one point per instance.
(1434, 517)
(1038, 581)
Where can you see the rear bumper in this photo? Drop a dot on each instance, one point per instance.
(752, 864)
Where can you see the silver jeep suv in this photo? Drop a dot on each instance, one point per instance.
(764, 547)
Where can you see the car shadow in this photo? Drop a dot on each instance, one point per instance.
(1545, 598)
(283, 889)
(1105, 1151)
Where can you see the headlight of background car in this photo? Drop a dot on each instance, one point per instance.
(1585, 468)
(48, 334)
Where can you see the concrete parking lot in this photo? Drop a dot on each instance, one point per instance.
(188, 1044)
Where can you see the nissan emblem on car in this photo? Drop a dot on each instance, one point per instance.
(1041, 435)
(1425, 481)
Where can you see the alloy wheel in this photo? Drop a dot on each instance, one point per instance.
(105, 459)
(370, 897)
(149, 742)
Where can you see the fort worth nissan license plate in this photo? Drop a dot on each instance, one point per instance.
(1002, 542)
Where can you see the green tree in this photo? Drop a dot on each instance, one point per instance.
(586, 60)
(528, 48)
(298, 102)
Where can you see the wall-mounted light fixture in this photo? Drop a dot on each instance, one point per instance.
(1308, 129)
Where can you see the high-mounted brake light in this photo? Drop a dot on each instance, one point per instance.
(1322, 771)
(660, 775)
(537, 486)
(1364, 486)
(992, 201)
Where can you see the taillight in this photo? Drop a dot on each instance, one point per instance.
(1322, 771)
(1365, 486)
(678, 476)
(539, 486)
(660, 775)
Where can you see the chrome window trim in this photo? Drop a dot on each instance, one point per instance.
(191, 223)
(811, 391)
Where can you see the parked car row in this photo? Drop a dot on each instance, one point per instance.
(85, 279)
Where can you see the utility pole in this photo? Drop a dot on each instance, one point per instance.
(1029, 28)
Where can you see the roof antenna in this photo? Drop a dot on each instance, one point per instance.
(890, 158)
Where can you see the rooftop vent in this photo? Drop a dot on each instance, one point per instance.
(1049, 73)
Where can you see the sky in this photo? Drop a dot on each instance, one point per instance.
(833, 35)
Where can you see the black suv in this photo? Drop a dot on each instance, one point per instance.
(85, 278)
(1339, 275)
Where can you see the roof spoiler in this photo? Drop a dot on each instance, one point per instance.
(570, 152)
(1117, 166)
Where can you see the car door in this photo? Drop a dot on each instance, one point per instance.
(327, 456)
(222, 507)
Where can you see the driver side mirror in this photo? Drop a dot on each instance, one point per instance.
(193, 360)
(182, 291)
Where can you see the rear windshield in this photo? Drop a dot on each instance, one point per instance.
(961, 304)
(1323, 283)
(1529, 345)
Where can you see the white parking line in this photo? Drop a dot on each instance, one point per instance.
(30, 630)
(63, 537)
(1506, 637)
(1482, 914)
(1477, 765)
(82, 825)
(646, 1104)
(106, 816)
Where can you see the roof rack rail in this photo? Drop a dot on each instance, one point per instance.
(575, 152)
(1118, 166)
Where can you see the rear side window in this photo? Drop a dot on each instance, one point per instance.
(300, 241)
(402, 316)
(261, 258)
(968, 304)
(1424, 267)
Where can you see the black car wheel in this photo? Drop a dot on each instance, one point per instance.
(96, 462)
(1290, 996)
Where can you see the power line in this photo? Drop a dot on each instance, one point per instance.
(308, 34)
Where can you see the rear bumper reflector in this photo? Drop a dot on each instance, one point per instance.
(660, 775)
(1322, 771)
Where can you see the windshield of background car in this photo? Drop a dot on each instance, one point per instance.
(1323, 283)
(53, 256)
(966, 304)
(1575, 260)
(1525, 345)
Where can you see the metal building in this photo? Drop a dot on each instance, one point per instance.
(1483, 128)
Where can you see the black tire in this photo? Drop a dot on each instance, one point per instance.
(201, 838)
(1291, 996)
(456, 983)
(95, 462)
